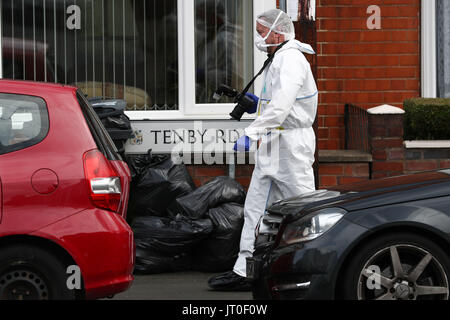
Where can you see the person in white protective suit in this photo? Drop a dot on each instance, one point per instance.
(283, 130)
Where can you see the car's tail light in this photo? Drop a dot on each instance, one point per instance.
(103, 182)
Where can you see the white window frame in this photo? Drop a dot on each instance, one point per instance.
(428, 44)
(188, 108)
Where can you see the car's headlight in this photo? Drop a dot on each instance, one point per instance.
(311, 226)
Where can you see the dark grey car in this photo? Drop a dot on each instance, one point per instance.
(385, 239)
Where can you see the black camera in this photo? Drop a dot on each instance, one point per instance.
(244, 103)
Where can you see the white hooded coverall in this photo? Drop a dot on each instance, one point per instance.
(285, 157)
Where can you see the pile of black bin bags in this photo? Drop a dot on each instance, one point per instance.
(178, 227)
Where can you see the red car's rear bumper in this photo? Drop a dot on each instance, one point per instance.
(102, 245)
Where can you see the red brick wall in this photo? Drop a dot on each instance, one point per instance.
(362, 66)
(333, 174)
(386, 140)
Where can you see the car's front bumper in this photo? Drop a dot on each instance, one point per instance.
(308, 270)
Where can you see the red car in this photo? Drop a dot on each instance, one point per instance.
(63, 198)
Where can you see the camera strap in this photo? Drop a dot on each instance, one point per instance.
(266, 63)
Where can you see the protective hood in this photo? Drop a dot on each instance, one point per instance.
(295, 44)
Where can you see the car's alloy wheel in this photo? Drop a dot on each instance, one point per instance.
(408, 272)
(396, 266)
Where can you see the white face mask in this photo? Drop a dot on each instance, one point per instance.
(260, 42)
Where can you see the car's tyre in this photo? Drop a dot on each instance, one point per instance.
(397, 266)
(31, 273)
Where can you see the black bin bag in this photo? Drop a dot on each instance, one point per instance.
(138, 163)
(157, 183)
(220, 250)
(108, 108)
(216, 192)
(164, 244)
(149, 261)
(112, 115)
(170, 236)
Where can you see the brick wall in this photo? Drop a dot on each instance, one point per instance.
(362, 66)
(333, 174)
(417, 160)
(386, 141)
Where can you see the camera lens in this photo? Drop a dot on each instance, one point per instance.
(238, 112)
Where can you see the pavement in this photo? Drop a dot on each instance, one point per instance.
(177, 286)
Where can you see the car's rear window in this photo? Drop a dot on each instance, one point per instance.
(101, 136)
(23, 122)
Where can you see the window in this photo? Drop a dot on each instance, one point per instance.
(443, 48)
(116, 48)
(23, 122)
(435, 48)
(208, 63)
(223, 51)
(164, 57)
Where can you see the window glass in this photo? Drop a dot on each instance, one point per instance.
(224, 46)
(126, 49)
(443, 48)
(23, 122)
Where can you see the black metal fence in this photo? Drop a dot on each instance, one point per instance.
(356, 128)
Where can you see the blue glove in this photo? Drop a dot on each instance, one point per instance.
(255, 105)
(243, 144)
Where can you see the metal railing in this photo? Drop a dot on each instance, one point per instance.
(126, 49)
(356, 128)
